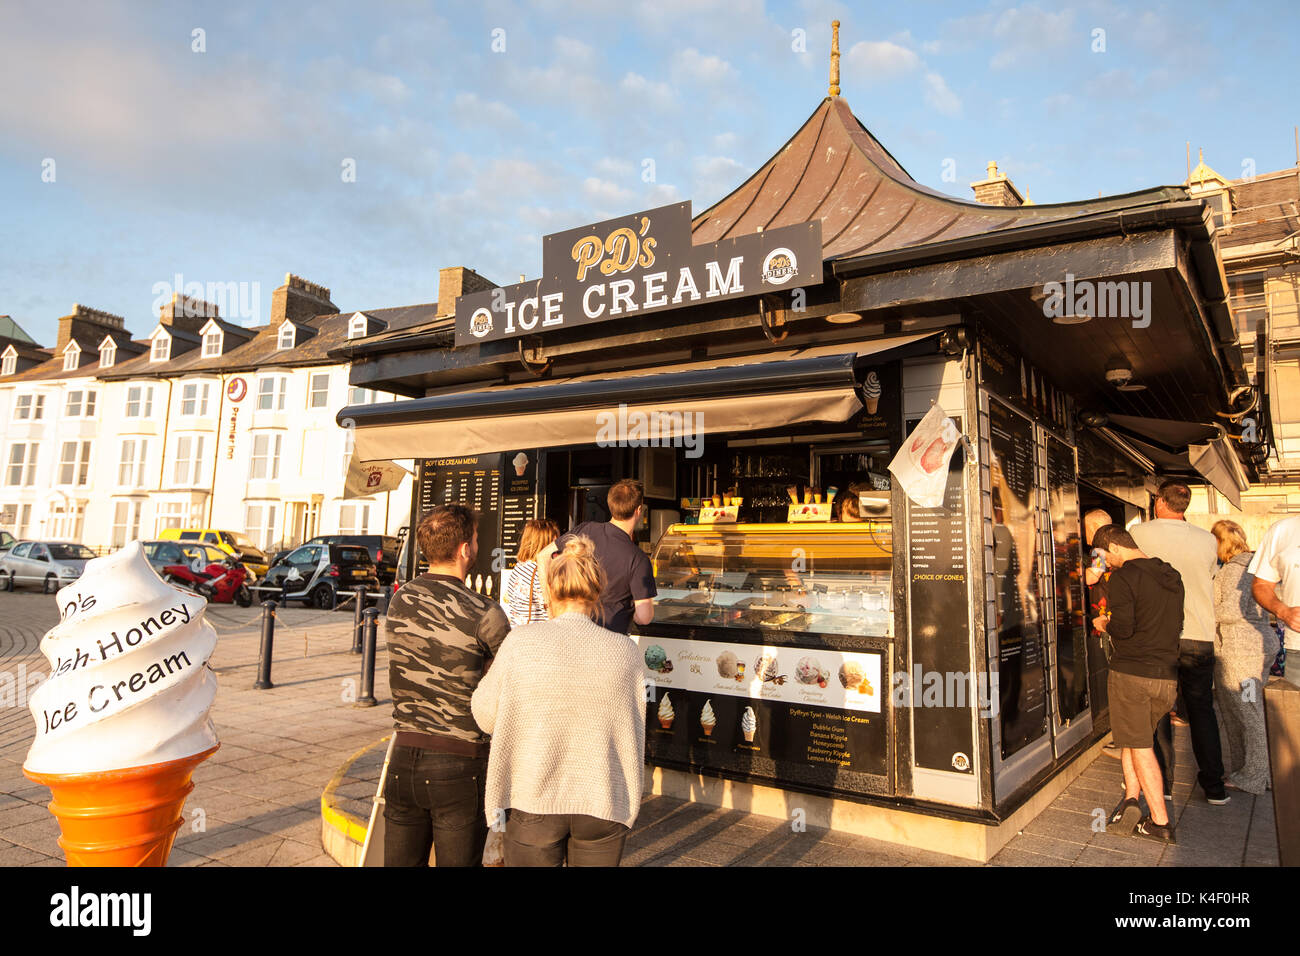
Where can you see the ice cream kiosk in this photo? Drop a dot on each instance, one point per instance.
(865, 439)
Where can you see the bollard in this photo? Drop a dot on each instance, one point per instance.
(268, 643)
(367, 695)
(385, 595)
(357, 625)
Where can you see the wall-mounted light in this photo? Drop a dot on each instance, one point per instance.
(844, 318)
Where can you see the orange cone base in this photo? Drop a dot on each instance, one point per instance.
(121, 817)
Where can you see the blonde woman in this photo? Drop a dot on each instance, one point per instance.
(1244, 648)
(564, 702)
(525, 596)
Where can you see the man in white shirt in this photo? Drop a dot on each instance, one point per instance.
(1194, 554)
(1276, 567)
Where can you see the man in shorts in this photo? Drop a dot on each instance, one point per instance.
(1145, 621)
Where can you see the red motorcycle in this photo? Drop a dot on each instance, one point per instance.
(220, 583)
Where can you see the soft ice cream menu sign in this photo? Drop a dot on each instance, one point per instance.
(757, 708)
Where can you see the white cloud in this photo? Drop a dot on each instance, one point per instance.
(380, 86)
(649, 93)
(472, 110)
(881, 59)
(715, 177)
(603, 195)
(1027, 31)
(939, 97)
(692, 68)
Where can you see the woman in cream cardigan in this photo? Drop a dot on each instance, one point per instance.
(564, 702)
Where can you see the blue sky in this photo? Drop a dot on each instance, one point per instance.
(227, 165)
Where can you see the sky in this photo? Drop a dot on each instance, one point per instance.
(146, 147)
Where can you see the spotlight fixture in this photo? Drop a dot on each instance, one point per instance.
(1118, 372)
(844, 318)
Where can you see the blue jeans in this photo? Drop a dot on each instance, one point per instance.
(434, 800)
(1196, 686)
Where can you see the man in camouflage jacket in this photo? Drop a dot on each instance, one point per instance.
(441, 639)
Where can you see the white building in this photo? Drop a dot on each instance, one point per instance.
(201, 424)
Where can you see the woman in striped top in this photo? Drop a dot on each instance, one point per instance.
(525, 597)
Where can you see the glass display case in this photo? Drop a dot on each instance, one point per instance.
(818, 578)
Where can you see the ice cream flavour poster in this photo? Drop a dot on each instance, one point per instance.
(921, 465)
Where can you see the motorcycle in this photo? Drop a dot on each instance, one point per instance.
(219, 583)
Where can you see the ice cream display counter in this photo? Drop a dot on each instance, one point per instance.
(770, 653)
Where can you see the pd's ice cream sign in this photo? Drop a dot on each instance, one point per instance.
(645, 262)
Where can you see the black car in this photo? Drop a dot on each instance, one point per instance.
(383, 549)
(316, 573)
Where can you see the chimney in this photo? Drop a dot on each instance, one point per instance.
(86, 322)
(187, 314)
(997, 190)
(299, 300)
(458, 281)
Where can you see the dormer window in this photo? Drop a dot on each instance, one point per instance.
(288, 336)
(162, 348)
(212, 342)
(71, 357)
(9, 361)
(357, 326)
(107, 353)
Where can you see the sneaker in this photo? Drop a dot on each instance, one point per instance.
(1149, 830)
(1110, 750)
(1218, 799)
(1127, 807)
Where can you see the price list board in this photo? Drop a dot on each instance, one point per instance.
(1021, 677)
(940, 620)
(475, 482)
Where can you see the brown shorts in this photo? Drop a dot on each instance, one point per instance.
(1136, 706)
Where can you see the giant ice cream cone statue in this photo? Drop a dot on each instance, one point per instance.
(123, 720)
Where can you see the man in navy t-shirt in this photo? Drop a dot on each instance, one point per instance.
(629, 580)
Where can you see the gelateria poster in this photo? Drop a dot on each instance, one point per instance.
(816, 677)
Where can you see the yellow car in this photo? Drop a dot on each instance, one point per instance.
(231, 542)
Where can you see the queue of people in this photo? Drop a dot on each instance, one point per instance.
(1184, 616)
(529, 721)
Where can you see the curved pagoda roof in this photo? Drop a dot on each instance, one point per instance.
(833, 169)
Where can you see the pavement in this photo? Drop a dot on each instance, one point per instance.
(257, 801)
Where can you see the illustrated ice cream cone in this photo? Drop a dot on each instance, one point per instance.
(666, 713)
(707, 719)
(748, 724)
(122, 722)
(871, 392)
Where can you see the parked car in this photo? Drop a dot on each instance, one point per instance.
(316, 573)
(231, 542)
(7, 541)
(383, 549)
(51, 564)
(165, 554)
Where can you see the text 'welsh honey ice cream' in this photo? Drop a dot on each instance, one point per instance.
(122, 722)
(129, 682)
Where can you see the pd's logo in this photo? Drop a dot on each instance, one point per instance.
(480, 323)
(237, 389)
(780, 266)
(374, 478)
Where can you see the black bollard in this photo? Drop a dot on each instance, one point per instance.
(268, 644)
(356, 619)
(367, 696)
(385, 596)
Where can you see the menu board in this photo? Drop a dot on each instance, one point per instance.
(475, 482)
(1067, 554)
(1006, 372)
(759, 706)
(518, 500)
(1021, 677)
(939, 621)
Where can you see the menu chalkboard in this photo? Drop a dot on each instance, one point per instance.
(475, 482)
(940, 624)
(1022, 680)
(1071, 626)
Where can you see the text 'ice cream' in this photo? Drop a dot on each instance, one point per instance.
(129, 682)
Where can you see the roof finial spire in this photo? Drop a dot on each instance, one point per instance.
(835, 58)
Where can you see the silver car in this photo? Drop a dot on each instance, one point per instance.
(51, 564)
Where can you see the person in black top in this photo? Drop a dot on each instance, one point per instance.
(1144, 618)
(629, 579)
